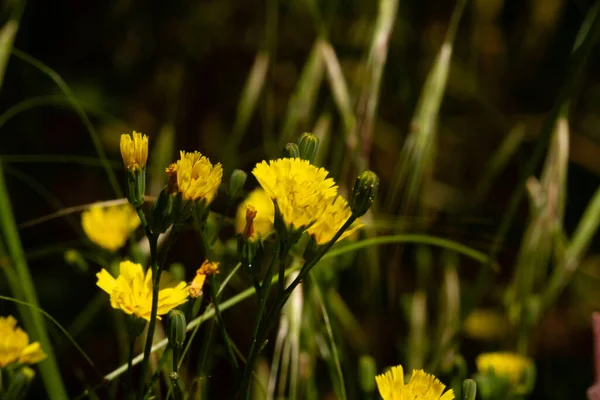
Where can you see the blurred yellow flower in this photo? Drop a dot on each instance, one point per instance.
(265, 213)
(335, 215)
(485, 325)
(422, 386)
(131, 291)
(15, 346)
(509, 365)
(134, 151)
(207, 268)
(194, 177)
(301, 190)
(109, 227)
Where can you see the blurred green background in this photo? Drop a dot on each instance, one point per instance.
(237, 79)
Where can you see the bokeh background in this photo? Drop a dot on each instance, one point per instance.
(178, 71)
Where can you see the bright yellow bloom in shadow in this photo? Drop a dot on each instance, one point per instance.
(509, 365)
(134, 151)
(422, 386)
(207, 268)
(109, 227)
(335, 215)
(485, 325)
(15, 346)
(301, 190)
(265, 213)
(194, 177)
(131, 291)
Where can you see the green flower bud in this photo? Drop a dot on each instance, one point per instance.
(136, 186)
(177, 325)
(75, 258)
(308, 145)
(367, 370)
(236, 183)
(16, 383)
(292, 150)
(469, 389)
(165, 210)
(364, 192)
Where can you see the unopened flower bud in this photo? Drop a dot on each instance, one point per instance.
(364, 192)
(469, 389)
(165, 210)
(177, 325)
(236, 183)
(308, 145)
(367, 371)
(134, 151)
(292, 150)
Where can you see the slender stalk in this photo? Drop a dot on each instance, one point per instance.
(130, 388)
(221, 323)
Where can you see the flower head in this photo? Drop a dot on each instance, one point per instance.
(109, 227)
(510, 365)
(265, 213)
(134, 150)
(131, 291)
(422, 386)
(300, 190)
(485, 325)
(207, 268)
(194, 177)
(15, 346)
(335, 215)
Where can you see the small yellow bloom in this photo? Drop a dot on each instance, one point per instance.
(335, 215)
(422, 386)
(509, 365)
(15, 346)
(134, 151)
(301, 190)
(196, 177)
(207, 268)
(485, 325)
(131, 291)
(265, 213)
(109, 227)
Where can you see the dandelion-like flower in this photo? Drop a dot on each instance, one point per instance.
(131, 291)
(194, 177)
(506, 364)
(335, 215)
(265, 213)
(301, 190)
(422, 386)
(15, 346)
(109, 227)
(134, 150)
(207, 268)
(485, 325)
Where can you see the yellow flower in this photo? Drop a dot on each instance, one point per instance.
(422, 386)
(301, 190)
(134, 151)
(109, 227)
(265, 213)
(509, 365)
(15, 346)
(195, 177)
(485, 325)
(335, 215)
(207, 268)
(132, 291)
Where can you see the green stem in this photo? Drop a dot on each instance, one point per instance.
(130, 388)
(221, 323)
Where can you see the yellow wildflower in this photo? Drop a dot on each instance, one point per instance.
(109, 227)
(207, 268)
(335, 215)
(134, 151)
(131, 291)
(422, 386)
(301, 190)
(485, 325)
(196, 178)
(15, 346)
(265, 213)
(509, 365)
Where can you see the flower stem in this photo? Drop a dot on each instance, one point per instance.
(130, 388)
